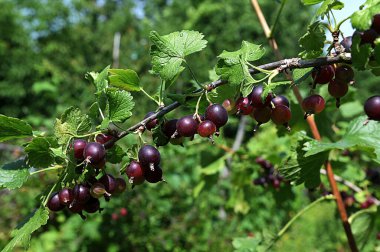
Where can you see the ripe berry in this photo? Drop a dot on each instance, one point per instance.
(66, 196)
(104, 138)
(98, 190)
(243, 105)
(153, 123)
(368, 37)
(376, 23)
(347, 43)
(366, 204)
(206, 128)
(170, 127)
(265, 164)
(120, 185)
(313, 104)
(217, 114)
(261, 115)
(276, 183)
(79, 145)
(81, 194)
(54, 203)
(123, 211)
(344, 73)
(94, 152)
(92, 205)
(372, 107)
(256, 99)
(280, 100)
(153, 176)
(109, 183)
(281, 115)
(135, 173)
(338, 89)
(323, 74)
(76, 207)
(259, 181)
(187, 126)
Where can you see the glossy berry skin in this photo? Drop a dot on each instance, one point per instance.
(368, 37)
(153, 123)
(187, 126)
(338, 88)
(76, 207)
(81, 194)
(94, 152)
(109, 183)
(103, 138)
(153, 176)
(323, 74)
(149, 155)
(262, 115)
(313, 104)
(281, 115)
(79, 145)
(206, 128)
(135, 173)
(346, 43)
(92, 205)
(217, 114)
(376, 23)
(66, 196)
(344, 73)
(54, 203)
(121, 185)
(280, 100)
(256, 99)
(372, 107)
(243, 106)
(170, 127)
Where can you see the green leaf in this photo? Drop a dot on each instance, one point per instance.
(360, 53)
(365, 137)
(215, 166)
(247, 244)
(329, 5)
(120, 105)
(12, 128)
(14, 174)
(362, 224)
(169, 51)
(99, 80)
(311, 2)
(125, 79)
(269, 88)
(300, 168)
(22, 234)
(115, 154)
(234, 74)
(251, 52)
(362, 19)
(39, 153)
(218, 95)
(313, 41)
(72, 122)
(300, 74)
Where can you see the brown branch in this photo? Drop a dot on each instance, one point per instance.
(314, 130)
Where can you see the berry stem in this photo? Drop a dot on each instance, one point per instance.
(193, 75)
(56, 167)
(150, 97)
(197, 106)
(272, 29)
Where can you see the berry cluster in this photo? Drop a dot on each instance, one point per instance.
(269, 177)
(85, 196)
(275, 108)
(369, 36)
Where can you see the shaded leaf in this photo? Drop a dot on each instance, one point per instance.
(14, 174)
(39, 153)
(12, 128)
(313, 41)
(362, 224)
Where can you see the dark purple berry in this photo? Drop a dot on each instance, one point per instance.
(187, 126)
(76, 207)
(79, 145)
(256, 99)
(313, 104)
(323, 74)
(170, 127)
(376, 23)
(104, 138)
(243, 106)
(347, 43)
(109, 183)
(368, 37)
(94, 152)
(281, 115)
(217, 114)
(54, 203)
(149, 156)
(66, 196)
(372, 107)
(337, 89)
(92, 205)
(344, 73)
(153, 123)
(154, 176)
(81, 194)
(280, 100)
(206, 128)
(120, 185)
(135, 173)
(259, 181)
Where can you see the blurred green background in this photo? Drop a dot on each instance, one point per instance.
(47, 46)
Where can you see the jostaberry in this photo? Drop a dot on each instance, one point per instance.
(206, 128)
(79, 145)
(217, 114)
(243, 106)
(372, 107)
(323, 74)
(337, 89)
(313, 104)
(256, 99)
(153, 123)
(66, 196)
(187, 126)
(54, 204)
(94, 152)
(153, 176)
(280, 100)
(135, 173)
(281, 115)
